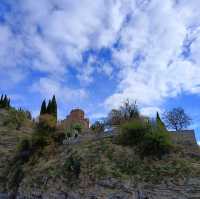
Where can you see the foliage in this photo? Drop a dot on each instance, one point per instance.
(47, 123)
(78, 127)
(39, 140)
(133, 132)
(98, 127)
(157, 142)
(151, 139)
(177, 119)
(73, 166)
(50, 109)
(128, 111)
(54, 107)
(59, 137)
(4, 101)
(17, 118)
(43, 109)
(24, 145)
(159, 122)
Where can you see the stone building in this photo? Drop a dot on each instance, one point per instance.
(184, 137)
(76, 116)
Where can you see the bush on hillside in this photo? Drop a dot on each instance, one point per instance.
(73, 166)
(156, 143)
(133, 132)
(17, 118)
(150, 139)
(39, 140)
(58, 137)
(24, 149)
(98, 127)
(47, 123)
(77, 127)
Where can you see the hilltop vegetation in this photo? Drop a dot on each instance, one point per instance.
(42, 156)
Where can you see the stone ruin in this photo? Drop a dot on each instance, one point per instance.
(184, 137)
(76, 116)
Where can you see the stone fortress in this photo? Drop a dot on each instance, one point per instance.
(76, 116)
(184, 137)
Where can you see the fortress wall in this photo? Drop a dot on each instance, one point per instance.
(186, 137)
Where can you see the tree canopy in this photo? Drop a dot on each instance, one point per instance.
(4, 101)
(50, 109)
(176, 119)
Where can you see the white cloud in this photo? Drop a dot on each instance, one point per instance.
(47, 87)
(150, 111)
(150, 34)
(158, 33)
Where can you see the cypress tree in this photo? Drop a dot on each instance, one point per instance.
(43, 109)
(49, 107)
(54, 107)
(1, 101)
(159, 122)
(5, 100)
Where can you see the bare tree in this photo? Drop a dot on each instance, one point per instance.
(129, 110)
(176, 119)
(126, 112)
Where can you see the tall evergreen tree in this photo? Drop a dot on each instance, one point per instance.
(5, 100)
(49, 107)
(54, 107)
(1, 98)
(1, 101)
(43, 109)
(159, 122)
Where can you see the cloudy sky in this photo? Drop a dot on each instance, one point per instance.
(95, 54)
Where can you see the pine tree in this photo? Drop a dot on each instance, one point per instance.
(5, 100)
(43, 109)
(54, 107)
(159, 122)
(1, 101)
(49, 107)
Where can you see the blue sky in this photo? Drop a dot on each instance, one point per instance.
(96, 54)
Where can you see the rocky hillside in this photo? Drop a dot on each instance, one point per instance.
(9, 138)
(95, 167)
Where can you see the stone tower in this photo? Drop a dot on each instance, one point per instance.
(77, 116)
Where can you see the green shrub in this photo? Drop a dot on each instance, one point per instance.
(24, 150)
(156, 143)
(59, 137)
(78, 127)
(73, 166)
(97, 127)
(47, 123)
(133, 132)
(150, 139)
(24, 145)
(16, 118)
(39, 140)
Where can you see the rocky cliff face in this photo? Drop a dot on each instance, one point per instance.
(113, 189)
(9, 138)
(95, 168)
